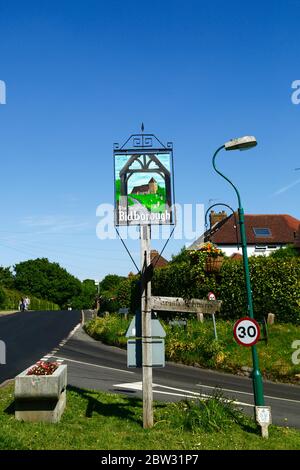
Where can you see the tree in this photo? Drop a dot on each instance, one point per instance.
(2, 298)
(6, 278)
(87, 297)
(47, 280)
(108, 292)
(111, 283)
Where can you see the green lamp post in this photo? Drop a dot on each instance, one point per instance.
(244, 143)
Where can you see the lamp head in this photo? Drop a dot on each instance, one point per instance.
(241, 143)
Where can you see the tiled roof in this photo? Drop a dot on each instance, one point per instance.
(161, 261)
(282, 227)
(141, 188)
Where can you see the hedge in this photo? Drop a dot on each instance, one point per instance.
(11, 300)
(275, 285)
(2, 297)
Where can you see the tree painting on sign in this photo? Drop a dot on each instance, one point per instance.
(143, 189)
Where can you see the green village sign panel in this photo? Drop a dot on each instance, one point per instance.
(143, 169)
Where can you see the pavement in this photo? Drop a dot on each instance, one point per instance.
(7, 312)
(94, 365)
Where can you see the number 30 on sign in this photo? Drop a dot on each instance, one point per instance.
(246, 331)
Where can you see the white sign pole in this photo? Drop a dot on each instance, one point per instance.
(146, 330)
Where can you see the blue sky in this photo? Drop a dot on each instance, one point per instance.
(138, 179)
(83, 75)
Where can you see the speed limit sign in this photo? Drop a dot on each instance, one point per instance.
(246, 331)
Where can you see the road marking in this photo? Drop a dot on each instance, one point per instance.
(131, 385)
(90, 364)
(138, 386)
(248, 393)
(179, 390)
(61, 344)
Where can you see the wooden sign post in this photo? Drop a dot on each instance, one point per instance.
(146, 328)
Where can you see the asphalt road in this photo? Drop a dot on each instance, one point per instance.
(30, 335)
(94, 365)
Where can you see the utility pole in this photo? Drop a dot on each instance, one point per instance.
(145, 233)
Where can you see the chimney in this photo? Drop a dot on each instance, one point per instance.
(153, 255)
(216, 217)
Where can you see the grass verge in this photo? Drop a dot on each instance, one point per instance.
(196, 346)
(96, 420)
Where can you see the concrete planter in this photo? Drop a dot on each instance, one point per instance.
(41, 397)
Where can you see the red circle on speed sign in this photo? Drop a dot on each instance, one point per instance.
(246, 331)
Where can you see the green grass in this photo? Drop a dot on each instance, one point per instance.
(196, 346)
(95, 420)
(150, 201)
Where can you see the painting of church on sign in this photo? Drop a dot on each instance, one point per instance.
(143, 189)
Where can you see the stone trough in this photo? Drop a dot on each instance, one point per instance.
(41, 397)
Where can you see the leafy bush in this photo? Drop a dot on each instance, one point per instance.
(286, 252)
(275, 284)
(110, 330)
(186, 279)
(2, 298)
(109, 288)
(123, 293)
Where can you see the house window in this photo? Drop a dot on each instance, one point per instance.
(260, 248)
(262, 232)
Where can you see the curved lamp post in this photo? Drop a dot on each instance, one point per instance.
(234, 216)
(244, 143)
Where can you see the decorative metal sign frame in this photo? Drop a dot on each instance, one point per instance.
(144, 181)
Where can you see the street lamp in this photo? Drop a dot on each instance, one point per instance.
(97, 284)
(245, 143)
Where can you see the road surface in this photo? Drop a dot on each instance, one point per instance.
(93, 365)
(30, 335)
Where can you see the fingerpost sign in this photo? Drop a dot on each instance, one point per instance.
(246, 331)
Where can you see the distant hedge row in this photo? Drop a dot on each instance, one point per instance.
(275, 286)
(10, 299)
